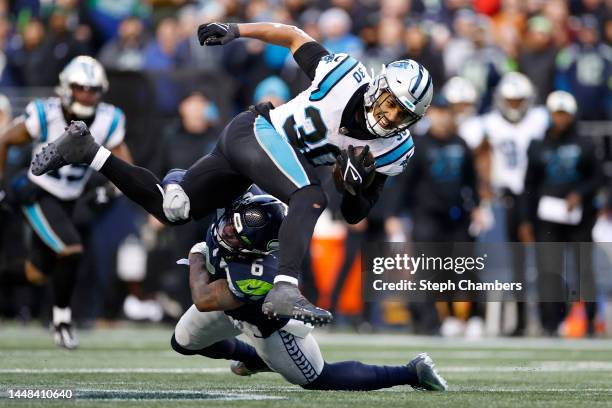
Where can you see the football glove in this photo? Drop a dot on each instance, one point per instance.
(355, 169)
(217, 33)
(176, 204)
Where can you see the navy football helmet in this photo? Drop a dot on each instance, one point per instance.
(250, 225)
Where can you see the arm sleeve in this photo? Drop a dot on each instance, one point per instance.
(356, 208)
(308, 57)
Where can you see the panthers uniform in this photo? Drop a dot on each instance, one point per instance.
(49, 209)
(312, 121)
(509, 143)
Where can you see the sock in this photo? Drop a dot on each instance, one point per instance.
(61, 315)
(138, 184)
(64, 279)
(229, 349)
(356, 376)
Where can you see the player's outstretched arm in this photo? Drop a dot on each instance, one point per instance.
(273, 33)
(208, 296)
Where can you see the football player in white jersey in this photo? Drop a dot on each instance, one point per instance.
(277, 148)
(501, 139)
(48, 200)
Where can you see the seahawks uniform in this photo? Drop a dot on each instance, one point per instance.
(49, 210)
(285, 345)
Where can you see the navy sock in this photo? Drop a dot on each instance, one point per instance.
(356, 376)
(229, 349)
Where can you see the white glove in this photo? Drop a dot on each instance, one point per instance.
(176, 203)
(199, 248)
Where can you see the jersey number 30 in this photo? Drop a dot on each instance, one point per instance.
(310, 143)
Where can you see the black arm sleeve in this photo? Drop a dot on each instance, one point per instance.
(308, 57)
(471, 179)
(528, 200)
(356, 208)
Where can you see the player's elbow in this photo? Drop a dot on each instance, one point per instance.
(206, 302)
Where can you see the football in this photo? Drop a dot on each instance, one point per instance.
(337, 171)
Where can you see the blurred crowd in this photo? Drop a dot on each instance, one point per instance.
(177, 95)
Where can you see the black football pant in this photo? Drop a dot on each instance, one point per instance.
(249, 151)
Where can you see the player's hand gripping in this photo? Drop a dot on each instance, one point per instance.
(217, 33)
(354, 168)
(176, 203)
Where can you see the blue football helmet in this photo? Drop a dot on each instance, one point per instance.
(250, 225)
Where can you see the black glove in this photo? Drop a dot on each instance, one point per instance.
(357, 170)
(217, 33)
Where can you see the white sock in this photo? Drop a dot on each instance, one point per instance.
(61, 315)
(100, 158)
(286, 278)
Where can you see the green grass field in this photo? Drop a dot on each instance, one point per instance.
(135, 367)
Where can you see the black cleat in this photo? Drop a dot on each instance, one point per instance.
(75, 146)
(286, 302)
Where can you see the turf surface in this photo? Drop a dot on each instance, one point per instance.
(135, 367)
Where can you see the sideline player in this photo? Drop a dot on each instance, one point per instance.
(48, 200)
(277, 148)
(230, 273)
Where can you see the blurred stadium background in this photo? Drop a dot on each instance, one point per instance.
(177, 96)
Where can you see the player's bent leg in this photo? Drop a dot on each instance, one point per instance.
(285, 299)
(212, 335)
(298, 359)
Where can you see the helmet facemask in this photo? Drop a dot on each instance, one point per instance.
(82, 74)
(404, 85)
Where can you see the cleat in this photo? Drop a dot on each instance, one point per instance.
(75, 146)
(239, 368)
(64, 337)
(429, 378)
(285, 301)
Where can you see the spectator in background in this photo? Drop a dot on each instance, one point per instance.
(105, 17)
(43, 61)
(23, 50)
(562, 167)
(335, 26)
(419, 48)
(458, 47)
(192, 136)
(388, 45)
(485, 65)
(7, 76)
(166, 51)
(273, 90)
(189, 17)
(584, 69)
(126, 52)
(537, 58)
